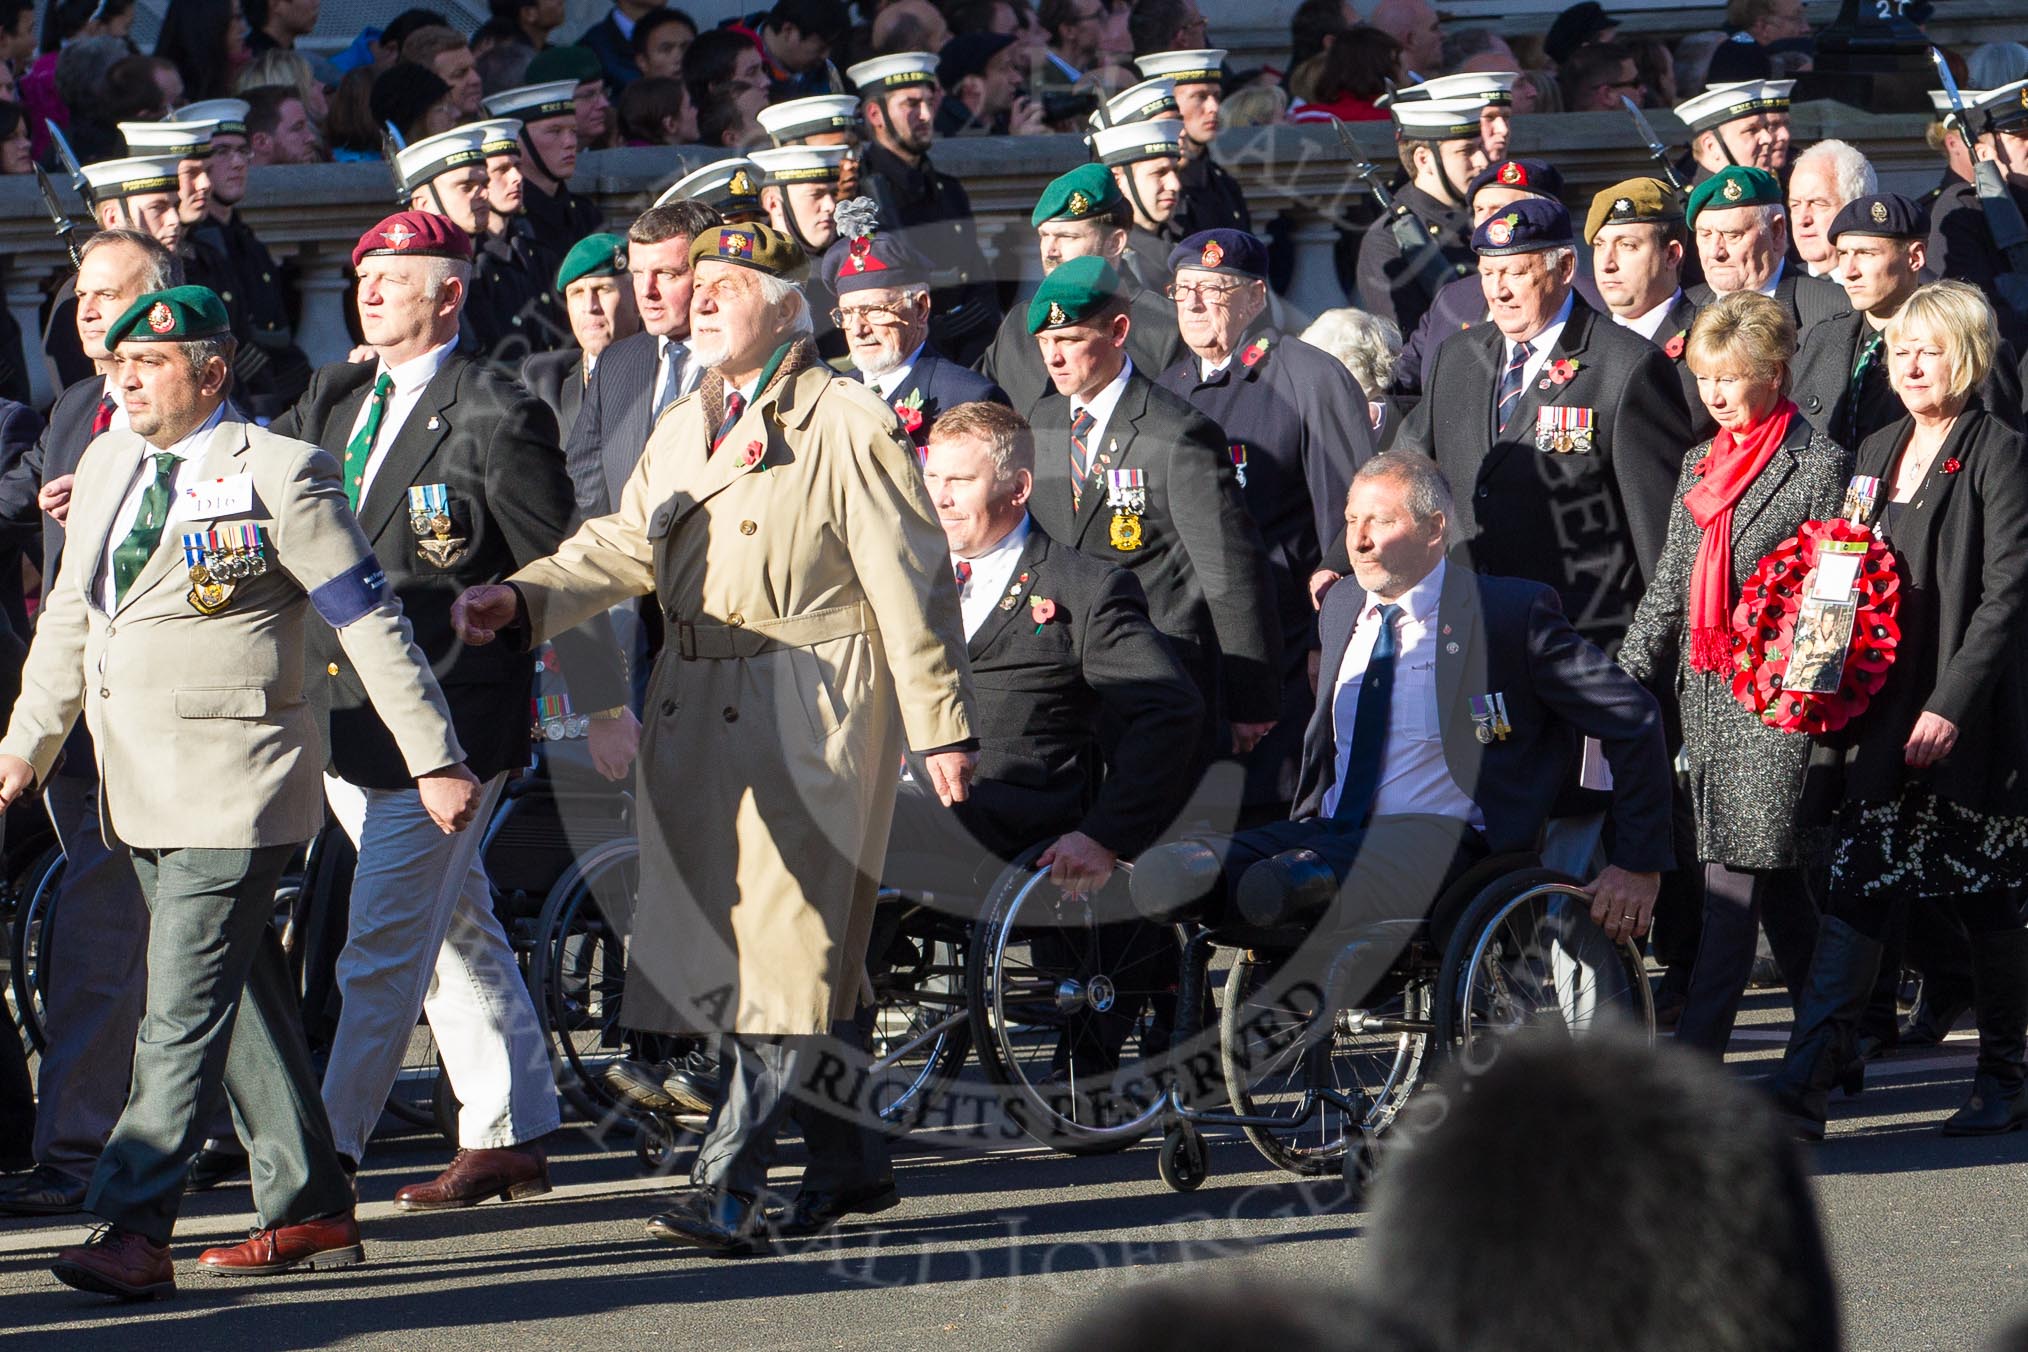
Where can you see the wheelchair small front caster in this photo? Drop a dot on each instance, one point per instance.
(655, 1145)
(1185, 1162)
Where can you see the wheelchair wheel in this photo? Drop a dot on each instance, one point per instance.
(1071, 1016)
(921, 1030)
(1526, 954)
(1185, 1161)
(1278, 1040)
(577, 968)
(422, 1096)
(34, 926)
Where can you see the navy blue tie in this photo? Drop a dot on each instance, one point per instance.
(1361, 780)
(1510, 385)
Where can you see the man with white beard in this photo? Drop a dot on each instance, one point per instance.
(883, 309)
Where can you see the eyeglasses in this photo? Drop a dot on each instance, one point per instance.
(880, 316)
(1209, 293)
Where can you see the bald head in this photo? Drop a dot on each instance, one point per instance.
(1414, 24)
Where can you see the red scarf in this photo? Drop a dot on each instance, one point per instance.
(1729, 469)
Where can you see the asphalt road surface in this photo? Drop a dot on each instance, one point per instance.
(991, 1251)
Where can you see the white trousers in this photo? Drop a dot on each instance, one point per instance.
(422, 938)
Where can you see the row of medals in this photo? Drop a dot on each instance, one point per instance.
(1129, 505)
(218, 571)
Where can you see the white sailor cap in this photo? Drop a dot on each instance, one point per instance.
(184, 140)
(897, 70)
(229, 114)
(1131, 142)
(1940, 101)
(730, 185)
(421, 161)
(1437, 119)
(498, 135)
(1144, 102)
(2006, 106)
(1205, 65)
(536, 102)
(1491, 87)
(132, 177)
(798, 164)
(787, 123)
(1723, 103)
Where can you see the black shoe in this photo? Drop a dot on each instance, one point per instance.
(215, 1164)
(692, 1083)
(42, 1191)
(1821, 1044)
(1931, 1021)
(723, 1224)
(1999, 1100)
(639, 1083)
(1994, 1109)
(812, 1213)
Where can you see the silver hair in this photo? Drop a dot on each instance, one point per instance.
(1851, 173)
(1429, 492)
(163, 270)
(441, 270)
(776, 292)
(198, 351)
(1365, 343)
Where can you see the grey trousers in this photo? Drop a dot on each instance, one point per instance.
(99, 980)
(220, 1009)
(762, 1082)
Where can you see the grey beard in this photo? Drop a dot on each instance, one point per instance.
(709, 358)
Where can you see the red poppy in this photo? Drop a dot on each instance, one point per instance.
(1042, 609)
(1674, 347)
(1254, 352)
(1951, 466)
(754, 451)
(909, 410)
(1562, 370)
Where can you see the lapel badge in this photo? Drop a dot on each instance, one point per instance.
(433, 424)
(1451, 647)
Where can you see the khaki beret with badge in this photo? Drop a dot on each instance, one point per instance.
(1073, 293)
(1633, 201)
(180, 314)
(756, 246)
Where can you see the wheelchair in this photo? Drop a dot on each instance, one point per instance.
(1315, 1075)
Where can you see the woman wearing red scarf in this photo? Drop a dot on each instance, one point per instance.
(1741, 494)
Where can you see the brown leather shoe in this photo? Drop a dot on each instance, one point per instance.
(116, 1262)
(511, 1173)
(329, 1243)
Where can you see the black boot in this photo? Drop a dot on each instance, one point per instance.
(2000, 1000)
(1935, 1013)
(1821, 1052)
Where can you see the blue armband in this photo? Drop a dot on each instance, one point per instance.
(352, 593)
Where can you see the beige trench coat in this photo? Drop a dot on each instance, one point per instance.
(811, 626)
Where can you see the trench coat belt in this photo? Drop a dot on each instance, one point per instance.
(698, 641)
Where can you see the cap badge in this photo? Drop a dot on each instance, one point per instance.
(1732, 192)
(398, 237)
(1056, 314)
(1623, 206)
(1879, 213)
(1213, 255)
(160, 318)
(1512, 173)
(735, 244)
(740, 184)
(619, 260)
(2024, 98)
(1500, 230)
(1079, 204)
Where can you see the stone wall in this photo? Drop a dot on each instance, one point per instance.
(314, 213)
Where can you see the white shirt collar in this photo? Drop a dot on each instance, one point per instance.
(886, 385)
(1208, 369)
(1419, 601)
(1105, 401)
(1649, 323)
(183, 449)
(417, 372)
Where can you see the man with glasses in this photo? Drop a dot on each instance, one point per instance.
(1597, 77)
(1296, 428)
(270, 370)
(900, 95)
(883, 309)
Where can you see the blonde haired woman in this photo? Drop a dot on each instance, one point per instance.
(1931, 782)
(1740, 495)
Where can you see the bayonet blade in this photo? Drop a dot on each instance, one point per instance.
(1655, 146)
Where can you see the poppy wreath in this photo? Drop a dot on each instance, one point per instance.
(1764, 622)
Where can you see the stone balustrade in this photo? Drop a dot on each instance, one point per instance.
(312, 214)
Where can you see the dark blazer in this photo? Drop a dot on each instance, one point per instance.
(934, 213)
(1200, 561)
(1589, 524)
(1809, 300)
(557, 379)
(1211, 199)
(493, 446)
(1014, 362)
(1961, 548)
(512, 308)
(1387, 287)
(1048, 697)
(1746, 779)
(1961, 247)
(614, 50)
(611, 428)
(1458, 305)
(943, 385)
(1512, 639)
(1822, 385)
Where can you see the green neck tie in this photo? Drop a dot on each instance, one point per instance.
(360, 449)
(134, 551)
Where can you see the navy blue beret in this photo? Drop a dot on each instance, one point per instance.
(1887, 214)
(1527, 226)
(1232, 252)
